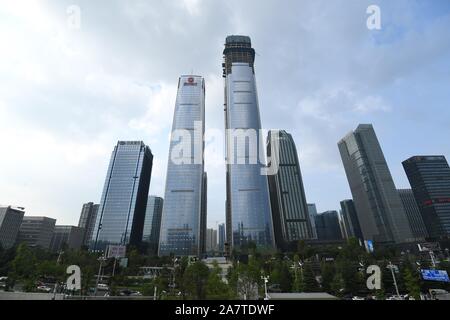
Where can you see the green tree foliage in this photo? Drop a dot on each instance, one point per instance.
(216, 289)
(412, 283)
(195, 279)
(24, 264)
(309, 280)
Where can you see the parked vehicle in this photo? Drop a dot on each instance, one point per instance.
(102, 287)
(44, 289)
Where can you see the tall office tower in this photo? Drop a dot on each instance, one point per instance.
(429, 177)
(248, 212)
(222, 237)
(211, 240)
(184, 210)
(327, 224)
(413, 214)
(152, 224)
(87, 221)
(350, 219)
(287, 194)
(66, 236)
(121, 214)
(37, 231)
(203, 213)
(378, 205)
(10, 221)
(312, 212)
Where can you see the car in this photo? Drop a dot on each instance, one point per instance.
(44, 289)
(358, 298)
(135, 293)
(102, 287)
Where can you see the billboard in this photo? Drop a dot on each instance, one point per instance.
(115, 251)
(435, 275)
(369, 245)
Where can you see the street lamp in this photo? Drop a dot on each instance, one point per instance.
(102, 259)
(266, 280)
(391, 266)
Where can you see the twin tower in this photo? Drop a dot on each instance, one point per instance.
(248, 211)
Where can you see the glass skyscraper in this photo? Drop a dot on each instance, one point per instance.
(429, 177)
(184, 209)
(287, 195)
(380, 211)
(121, 214)
(248, 212)
(152, 224)
(413, 214)
(350, 220)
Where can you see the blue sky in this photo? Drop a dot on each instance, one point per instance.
(67, 95)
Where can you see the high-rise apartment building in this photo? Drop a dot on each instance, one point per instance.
(121, 214)
(248, 212)
(184, 211)
(287, 194)
(429, 177)
(378, 206)
(211, 240)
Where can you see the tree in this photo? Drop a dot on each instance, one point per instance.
(24, 264)
(338, 285)
(412, 283)
(309, 280)
(195, 279)
(328, 272)
(216, 289)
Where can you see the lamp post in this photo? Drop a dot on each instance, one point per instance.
(101, 260)
(391, 266)
(266, 280)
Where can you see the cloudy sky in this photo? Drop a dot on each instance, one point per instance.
(68, 94)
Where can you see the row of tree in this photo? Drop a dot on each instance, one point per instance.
(339, 270)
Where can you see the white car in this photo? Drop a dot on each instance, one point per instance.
(44, 289)
(102, 287)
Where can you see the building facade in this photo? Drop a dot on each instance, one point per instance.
(378, 205)
(287, 193)
(248, 211)
(222, 237)
(87, 221)
(152, 224)
(413, 214)
(327, 224)
(10, 221)
(37, 231)
(121, 214)
(211, 240)
(350, 220)
(429, 177)
(69, 237)
(312, 212)
(184, 211)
